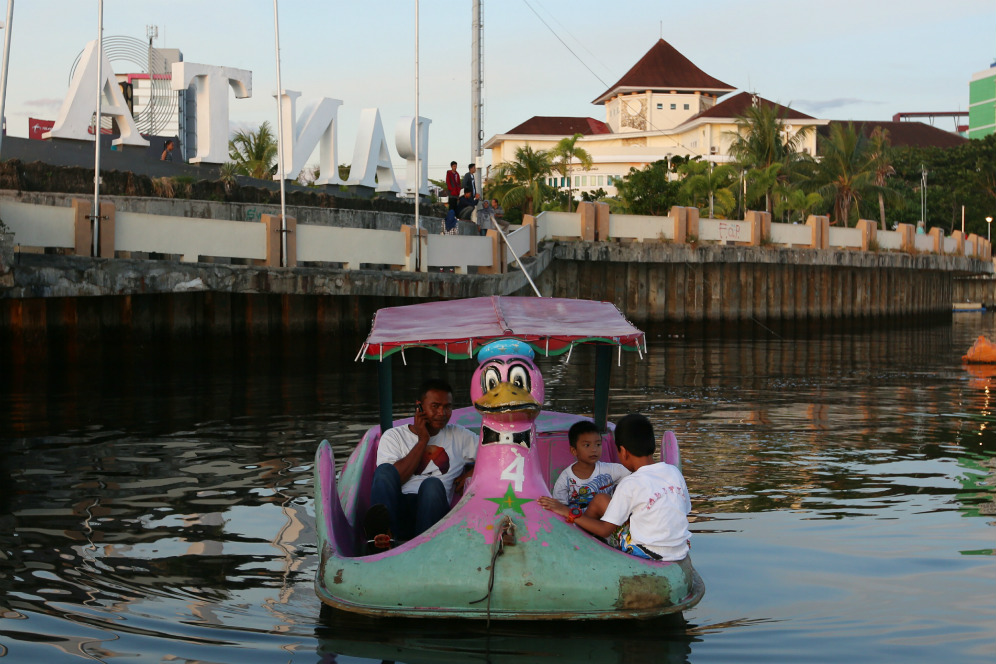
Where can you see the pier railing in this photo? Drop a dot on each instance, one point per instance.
(38, 228)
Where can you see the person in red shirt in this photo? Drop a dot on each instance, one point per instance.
(453, 184)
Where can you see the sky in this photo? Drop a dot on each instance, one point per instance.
(833, 59)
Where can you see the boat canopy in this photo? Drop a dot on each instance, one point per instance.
(458, 328)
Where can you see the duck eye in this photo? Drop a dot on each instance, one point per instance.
(518, 375)
(490, 378)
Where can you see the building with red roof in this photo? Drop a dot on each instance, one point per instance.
(665, 106)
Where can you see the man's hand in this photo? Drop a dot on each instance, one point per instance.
(419, 426)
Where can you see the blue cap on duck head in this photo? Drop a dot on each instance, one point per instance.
(505, 347)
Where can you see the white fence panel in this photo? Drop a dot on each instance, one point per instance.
(792, 235)
(352, 246)
(557, 224)
(923, 243)
(724, 230)
(890, 240)
(459, 251)
(845, 238)
(521, 241)
(192, 238)
(640, 227)
(950, 245)
(39, 225)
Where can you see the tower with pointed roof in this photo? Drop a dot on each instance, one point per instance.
(662, 90)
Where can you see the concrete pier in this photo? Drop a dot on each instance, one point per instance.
(49, 295)
(681, 283)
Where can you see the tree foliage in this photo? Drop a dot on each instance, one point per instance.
(254, 153)
(708, 187)
(522, 182)
(564, 154)
(649, 190)
(762, 139)
(844, 174)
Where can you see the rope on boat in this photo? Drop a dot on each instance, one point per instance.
(505, 531)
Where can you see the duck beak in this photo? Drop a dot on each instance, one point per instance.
(507, 402)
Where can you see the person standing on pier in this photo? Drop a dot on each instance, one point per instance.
(453, 184)
(470, 183)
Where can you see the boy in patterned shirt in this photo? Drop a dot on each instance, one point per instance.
(588, 476)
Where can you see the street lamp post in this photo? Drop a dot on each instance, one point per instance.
(989, 225)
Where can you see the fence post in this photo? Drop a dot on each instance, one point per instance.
(973, 244)
(587, 216)
(83, 228)
(869, 230)
(497, 255)
(274, 244)
(937, 235)
(692, 222)
(529, 221)
(820, 226)
(756, 222)
(959, 239)
(679, 216)
(601, 221)
(907, 237)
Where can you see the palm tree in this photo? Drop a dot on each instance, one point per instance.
(254, 153)
(797, 200)
(522, 182)
(762, 181)
(564, 153)
(762, 139)
(707, 180)
(844, 173)
(880, 161)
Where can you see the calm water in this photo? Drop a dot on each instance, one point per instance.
(155, 501)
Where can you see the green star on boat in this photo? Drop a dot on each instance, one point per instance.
(509, 501)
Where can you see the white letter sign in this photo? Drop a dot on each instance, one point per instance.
(78, 106)
(404, 139)
(211, 85)
(371, 156)
(299, 141)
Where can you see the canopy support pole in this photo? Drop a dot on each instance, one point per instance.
(385, 394)
(603, 370)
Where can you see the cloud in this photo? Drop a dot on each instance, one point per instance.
(44, 103)
(821, 105)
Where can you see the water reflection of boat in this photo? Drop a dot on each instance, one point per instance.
(437, 641)
(497, 554)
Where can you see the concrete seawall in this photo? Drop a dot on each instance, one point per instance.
(676, 283)
(42, 295)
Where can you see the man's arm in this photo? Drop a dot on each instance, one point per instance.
(407, 464)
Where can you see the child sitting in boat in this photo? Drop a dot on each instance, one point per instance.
(648, 511)
(588, 477)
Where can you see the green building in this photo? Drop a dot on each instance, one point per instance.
(982, 103)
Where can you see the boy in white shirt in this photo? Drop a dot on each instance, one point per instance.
(649, 509)
(588, 476)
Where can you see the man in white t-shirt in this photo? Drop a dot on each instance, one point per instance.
(419, 466)
(649, 509)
